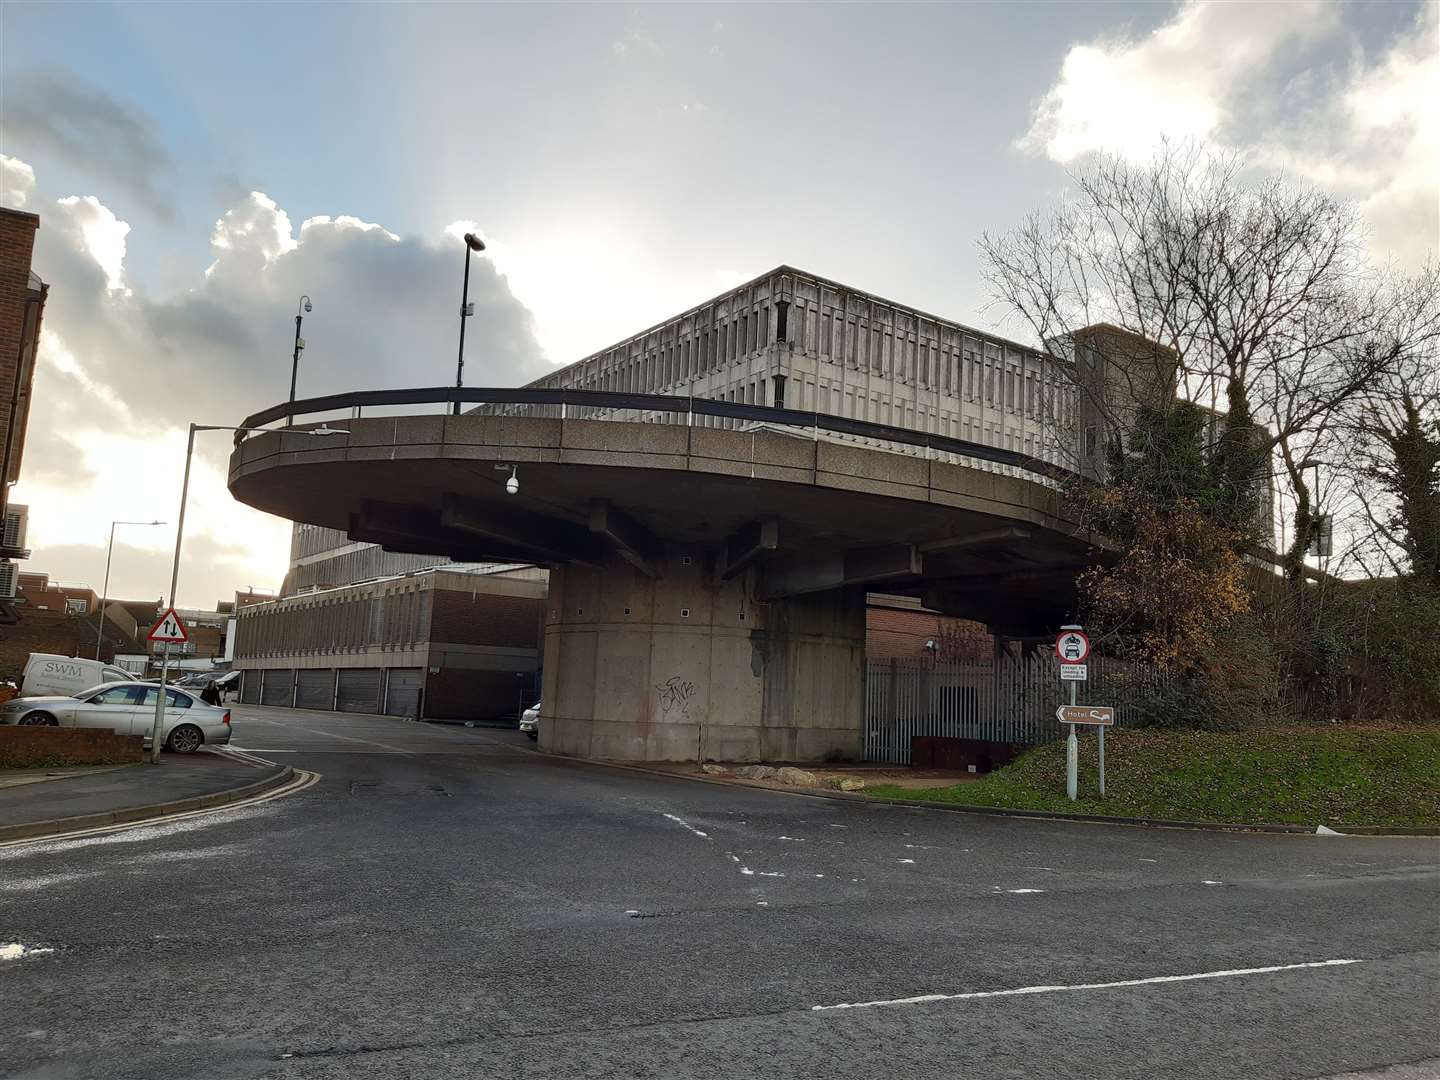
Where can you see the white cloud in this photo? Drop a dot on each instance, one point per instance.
(102, 233)
(17, 181)
(1271, 81)
(121, 373)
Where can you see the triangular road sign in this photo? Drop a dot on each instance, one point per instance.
(169, 628)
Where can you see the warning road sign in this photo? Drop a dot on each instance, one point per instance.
(169, 628)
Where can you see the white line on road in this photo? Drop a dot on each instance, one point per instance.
(1017, 992)
(672, 817)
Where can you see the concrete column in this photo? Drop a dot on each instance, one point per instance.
(679, 668)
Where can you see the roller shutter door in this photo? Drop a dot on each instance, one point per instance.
(358, 690)
(314, 689)
(402, 691)
(275, 690)
(250, 688)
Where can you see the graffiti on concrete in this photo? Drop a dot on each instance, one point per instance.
(675, 694)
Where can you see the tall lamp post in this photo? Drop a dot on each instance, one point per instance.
(304, 306)
(105, 589)
(159, 725)
(472, 244)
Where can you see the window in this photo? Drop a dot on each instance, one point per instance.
(782, 309)
(77, 605)
(1090, 441)
(176, 700)
(118, 695)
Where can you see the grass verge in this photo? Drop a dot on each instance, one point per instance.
(1302, 776)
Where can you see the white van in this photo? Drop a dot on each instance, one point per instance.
(46, 673)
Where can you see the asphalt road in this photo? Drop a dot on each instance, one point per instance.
(444, 903)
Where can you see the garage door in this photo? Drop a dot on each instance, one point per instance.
(315, 689)
(358, 690)
(402, 691)
(250, 687)
(275, 690)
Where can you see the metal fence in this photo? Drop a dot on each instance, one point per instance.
(1005, 699)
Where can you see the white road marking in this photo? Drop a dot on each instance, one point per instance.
(1212, 883)
(798, 839)
(1024, 891)
(685, 824)
(923, 999)
(13, 950)
(911, 861)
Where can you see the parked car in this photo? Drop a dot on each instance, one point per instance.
(128, 708)
(49, 673)
(530, 721)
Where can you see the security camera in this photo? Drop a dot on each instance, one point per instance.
(513, 484)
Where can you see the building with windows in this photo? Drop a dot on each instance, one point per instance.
(794, 340)
(436, 643)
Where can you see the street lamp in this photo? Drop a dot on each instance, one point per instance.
(105, 589)
(323, 429)
(304, 306)
(472, 243)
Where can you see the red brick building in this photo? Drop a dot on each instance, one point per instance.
(22, 306)
(898, 628)
(39, 593)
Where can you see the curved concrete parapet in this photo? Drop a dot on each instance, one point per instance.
(707, 594)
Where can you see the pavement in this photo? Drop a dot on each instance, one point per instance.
(125, 791)
(445, 902)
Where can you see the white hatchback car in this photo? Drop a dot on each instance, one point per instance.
(129, 708)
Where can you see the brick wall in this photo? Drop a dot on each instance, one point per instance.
(900, 634)
(17, 243)
(462, 618)
(59, 633)
(23, 747)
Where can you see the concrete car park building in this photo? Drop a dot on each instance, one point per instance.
(436, 643)
(715, 497)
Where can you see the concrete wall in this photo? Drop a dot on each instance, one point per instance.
(683, 669)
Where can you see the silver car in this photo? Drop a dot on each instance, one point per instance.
(530, 721)
(128, 708)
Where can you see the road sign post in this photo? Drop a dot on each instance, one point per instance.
(1101, 717)
(169, 629)
(1071, 649)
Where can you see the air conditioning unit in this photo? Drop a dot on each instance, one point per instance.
(17, 520)
(9, 574)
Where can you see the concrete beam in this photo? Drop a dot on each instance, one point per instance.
(414, 531)
(514, 527)
(631, 540)
(744, 546)
(823, 570)
(980, 539)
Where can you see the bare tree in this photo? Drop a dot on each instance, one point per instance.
(1257, 296)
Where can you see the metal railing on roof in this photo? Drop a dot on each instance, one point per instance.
(594, 401)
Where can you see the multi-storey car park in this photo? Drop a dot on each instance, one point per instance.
(715, 495)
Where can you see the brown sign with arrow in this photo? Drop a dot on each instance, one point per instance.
(1085, 714)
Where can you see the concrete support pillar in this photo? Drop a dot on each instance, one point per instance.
(681, 668)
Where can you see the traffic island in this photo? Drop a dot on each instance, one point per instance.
(133, 793)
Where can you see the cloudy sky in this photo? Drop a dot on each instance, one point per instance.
(197, 168)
